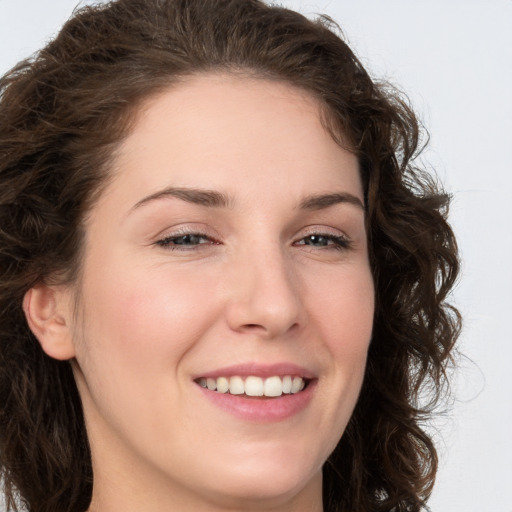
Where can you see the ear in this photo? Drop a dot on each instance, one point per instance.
(48, 313)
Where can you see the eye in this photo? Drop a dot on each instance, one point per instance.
(186, 241)
(325, 240)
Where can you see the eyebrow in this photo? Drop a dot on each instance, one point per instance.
(209, 198)
(215, 199)
(321, 201)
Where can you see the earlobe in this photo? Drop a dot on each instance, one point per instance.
(47, 312)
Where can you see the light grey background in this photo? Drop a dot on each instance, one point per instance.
(454, 60)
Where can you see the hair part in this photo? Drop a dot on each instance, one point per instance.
(64, 113)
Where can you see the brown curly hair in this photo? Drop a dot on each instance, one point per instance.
(62, 115)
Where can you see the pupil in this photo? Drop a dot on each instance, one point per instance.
(187, 239)
(316, 240)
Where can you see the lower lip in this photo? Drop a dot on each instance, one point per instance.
(261, 409)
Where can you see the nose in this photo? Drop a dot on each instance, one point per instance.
(264, 295)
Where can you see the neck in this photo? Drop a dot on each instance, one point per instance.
(112, 499)
(130, 487)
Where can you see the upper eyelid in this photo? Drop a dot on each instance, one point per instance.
(324, 231)
(208, 233)
(176, 232)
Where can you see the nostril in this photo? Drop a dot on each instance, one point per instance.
(269, 329)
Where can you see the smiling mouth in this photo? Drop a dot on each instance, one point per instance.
(252, 386)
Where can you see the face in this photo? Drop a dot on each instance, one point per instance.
(229, 251)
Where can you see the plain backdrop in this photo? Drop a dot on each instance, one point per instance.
(454, 60)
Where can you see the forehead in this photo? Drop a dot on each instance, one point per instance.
(228, 132)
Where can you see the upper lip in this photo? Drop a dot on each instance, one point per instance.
(259, 370)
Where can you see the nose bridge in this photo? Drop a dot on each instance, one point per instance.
(266, 296)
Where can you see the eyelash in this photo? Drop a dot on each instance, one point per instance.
(334, 242)
(169, 242)
(339, 242)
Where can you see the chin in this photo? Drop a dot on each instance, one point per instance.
(270, 481)
(267, 489)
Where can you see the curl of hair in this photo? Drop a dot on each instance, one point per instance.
(62, 115)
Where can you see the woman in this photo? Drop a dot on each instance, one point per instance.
(223, 281)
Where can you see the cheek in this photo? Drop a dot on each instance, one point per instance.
(135, 332)
(344, 309)
(341, 310)
(343, 316)
(154, 316)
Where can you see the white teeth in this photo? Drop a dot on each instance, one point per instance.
(287, 384)
(297, 384)
(273, 386)
(254, 386)
(222, 385)
(236, 386)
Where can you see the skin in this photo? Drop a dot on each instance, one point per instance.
(253, 288)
